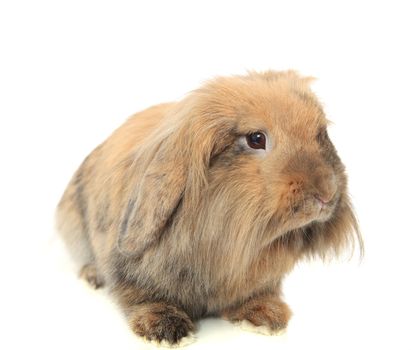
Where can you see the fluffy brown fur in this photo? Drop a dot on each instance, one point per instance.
(180, 218)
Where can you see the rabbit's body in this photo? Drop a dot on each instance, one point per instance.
(206, 284)
(181, 219)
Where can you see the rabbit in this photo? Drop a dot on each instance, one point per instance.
(200, 207)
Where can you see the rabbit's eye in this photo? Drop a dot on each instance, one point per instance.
(256, 140)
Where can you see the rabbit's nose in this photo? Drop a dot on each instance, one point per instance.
(323, 199)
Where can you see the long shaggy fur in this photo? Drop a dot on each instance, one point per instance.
(181, 219)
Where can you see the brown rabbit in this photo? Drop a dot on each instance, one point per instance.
(200, 207)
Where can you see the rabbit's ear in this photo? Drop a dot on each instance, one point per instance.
(158, 184)
(170, 167)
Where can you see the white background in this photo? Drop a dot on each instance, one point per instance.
(72, 71)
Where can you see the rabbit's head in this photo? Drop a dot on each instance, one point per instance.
(245, 162)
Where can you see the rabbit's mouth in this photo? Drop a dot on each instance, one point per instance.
(311, 209)
(325, 210)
